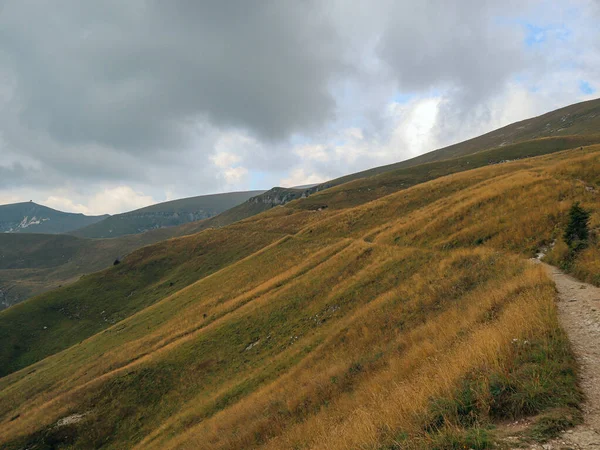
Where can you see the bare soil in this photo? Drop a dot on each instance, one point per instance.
(579, 309)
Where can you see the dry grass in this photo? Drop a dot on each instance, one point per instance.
(359, 330)
(391, 393)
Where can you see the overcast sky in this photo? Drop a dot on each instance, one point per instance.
(110, 106)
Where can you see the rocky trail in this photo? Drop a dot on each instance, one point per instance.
(579, 309)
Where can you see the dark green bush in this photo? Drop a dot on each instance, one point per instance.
(577, 231)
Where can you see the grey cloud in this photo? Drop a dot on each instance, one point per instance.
(143, 91)
(130, 75)
(462, 44)
(13, 176)
(464, 48)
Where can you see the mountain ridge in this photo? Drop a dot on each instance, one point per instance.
(165, 214)
(30, 217)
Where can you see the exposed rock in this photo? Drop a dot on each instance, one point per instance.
(253, 344)
(277, 196)
(70, 420)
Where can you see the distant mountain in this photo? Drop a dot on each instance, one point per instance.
(29, 217)
(166, 214)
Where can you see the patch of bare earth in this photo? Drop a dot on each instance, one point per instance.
(579, 309)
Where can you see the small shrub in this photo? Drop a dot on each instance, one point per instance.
(577, 231)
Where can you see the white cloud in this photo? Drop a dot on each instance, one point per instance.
(65, 204)
(406, 132)
(298, 177)
(106, 201)
(117, 199)
(7, 198)
(235, 175)
(225, 159)
(312, 152)
(413, 125)
(99, 200)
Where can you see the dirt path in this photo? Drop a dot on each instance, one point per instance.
(579, 309)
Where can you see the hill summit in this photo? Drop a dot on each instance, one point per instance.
(29, 217)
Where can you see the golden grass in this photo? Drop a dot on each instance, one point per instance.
(357, 323)
(425, 362)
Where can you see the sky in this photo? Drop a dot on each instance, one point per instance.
(110, 106)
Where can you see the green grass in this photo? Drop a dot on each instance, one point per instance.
(54, 321)
(543, 376)
(552, 423)
(541, 381)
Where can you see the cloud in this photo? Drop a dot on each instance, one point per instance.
(66, 204)
(235, 175)
(131, 76)
(174, 99)
(107, 201)
(299, 177)
(225, 159)
(406, 132)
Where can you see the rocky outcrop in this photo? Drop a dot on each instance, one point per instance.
(7, 298)
(278, 196)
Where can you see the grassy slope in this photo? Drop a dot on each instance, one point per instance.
(366, 189)
(31, 264)
(574, 125)
(90, 254)
(412, 309)
(38, 263)
(101, 299)
(166, 214)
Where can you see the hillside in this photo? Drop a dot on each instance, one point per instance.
(166, 214)
(29, 217)
(31, 264)
(579, 119)
(16, 285)
(38, 263)
(406, 320)
(573, 125)
(35, 263)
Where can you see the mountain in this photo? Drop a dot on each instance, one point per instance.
(580, 119)
(33, 264)
(18, 285)
(29, 217)
(568, 127)
(166, 214)
(406, 320)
